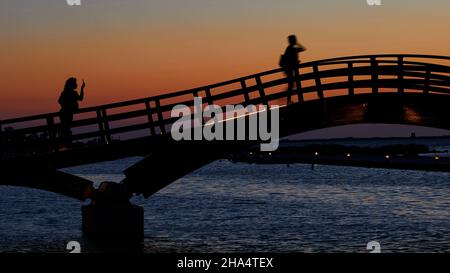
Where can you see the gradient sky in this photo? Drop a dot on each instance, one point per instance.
(136, 48)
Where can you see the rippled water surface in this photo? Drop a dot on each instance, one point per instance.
(226, 207)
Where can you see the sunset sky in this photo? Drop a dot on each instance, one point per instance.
(138, 48)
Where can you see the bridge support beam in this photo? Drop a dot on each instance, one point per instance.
(112, 217)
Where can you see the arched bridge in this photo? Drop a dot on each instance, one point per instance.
(398, 89)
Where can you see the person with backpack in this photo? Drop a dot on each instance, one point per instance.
(289, 62)
(68, 100)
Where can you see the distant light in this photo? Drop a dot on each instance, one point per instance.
(251, 153)
(316, 154)
(270, 153)
(388, 156)
(437, 157)
(349, 155)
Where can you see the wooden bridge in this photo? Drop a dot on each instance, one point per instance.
(398, 89)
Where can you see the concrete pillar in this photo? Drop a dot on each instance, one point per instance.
(111, 216)
(113, 222)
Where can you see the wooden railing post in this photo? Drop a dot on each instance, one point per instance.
(51, 130)
(150, 118)
(318, 81)
(426, 86)
(102, 126)
(298, 84)
(401, 88)
(245, 92)
(351, 86)
(262, 94)
(208, 96)
(374, 74)
(162, 126)
(106, 126)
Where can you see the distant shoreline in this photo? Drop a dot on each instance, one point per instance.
(365, 138)
(396, 153)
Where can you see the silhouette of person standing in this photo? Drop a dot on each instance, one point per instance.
(289, 62)
(69, 105)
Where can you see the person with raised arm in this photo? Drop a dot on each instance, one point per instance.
(68, 100)
(289, 62)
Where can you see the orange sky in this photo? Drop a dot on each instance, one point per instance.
(143, 48)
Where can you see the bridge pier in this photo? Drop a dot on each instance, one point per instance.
(112, 217)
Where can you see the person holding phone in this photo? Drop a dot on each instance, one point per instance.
(68, 100)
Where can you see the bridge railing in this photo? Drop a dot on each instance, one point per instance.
(151, 116)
